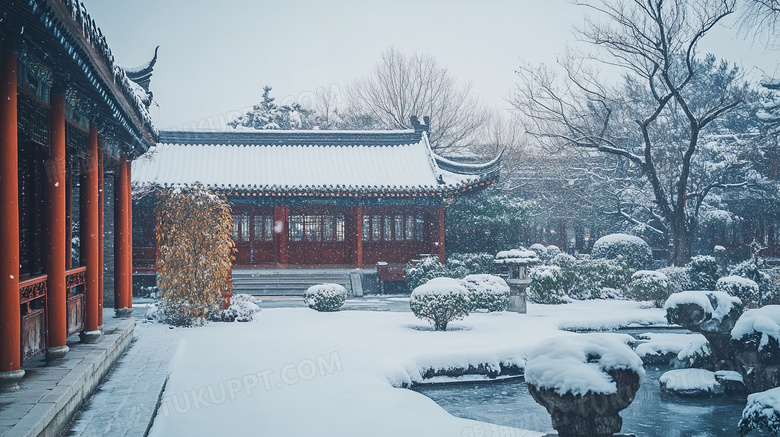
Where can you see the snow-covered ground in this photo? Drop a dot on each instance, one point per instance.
(297, 372)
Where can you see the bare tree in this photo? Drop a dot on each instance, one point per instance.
(759, 19)
(653, 119)
(405, 85)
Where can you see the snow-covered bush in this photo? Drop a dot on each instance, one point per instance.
(679, 278)
(553, 251)
(440, 301)
(769, 289)
(194, 256)
(242, 309)
(541, 251)
(634, 250)
(547, 285)
(762, 412)
(649, 285)
(476, 263)
(418, 273)
(703, 270)
(325, 297)
(568, 265)
(740, 287)
(487, 292)
(600, 278)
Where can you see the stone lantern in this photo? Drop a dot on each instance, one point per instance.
(516, 264)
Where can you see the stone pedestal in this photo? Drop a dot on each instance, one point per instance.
(517, 296)
(90, 337)
(56, 352)
(9, 381)
(123, 312)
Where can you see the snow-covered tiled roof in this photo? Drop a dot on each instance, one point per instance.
(290, 163)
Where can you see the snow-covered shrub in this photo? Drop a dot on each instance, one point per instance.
(762, 412)
(325, 297)
(541, 251)
(418, 273)
(487, 292)
(553, 251)
(679, 278)
(649, 285)
(740, 287)
(769, 289)
(703, 271)
(600, 278)
(634, 250)
(242, 309)
(568, 265)
(547, 285)
(440, 301)
(476, 263)
(194, 256)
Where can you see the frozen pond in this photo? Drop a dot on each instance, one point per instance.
(652, 414)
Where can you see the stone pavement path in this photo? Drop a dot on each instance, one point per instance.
(124, 404)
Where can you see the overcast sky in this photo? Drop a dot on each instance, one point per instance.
(215, 56)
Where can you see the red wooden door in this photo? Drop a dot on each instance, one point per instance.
(253, 235)
(317, 236)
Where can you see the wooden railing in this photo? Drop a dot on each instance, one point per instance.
(32, 296)
(75, 283)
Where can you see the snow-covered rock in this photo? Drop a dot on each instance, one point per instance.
(704, 311)
(713, 313)
(690, 382)
(325, 297)
(661, 348)
(696, 354)
(763, 323)
(487, 292)
(440, 301)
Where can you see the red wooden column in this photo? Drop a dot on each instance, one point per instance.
(121, 241)
(10, 316)
(101, 231)
(359, 236)
(440, 235)
(281, 216)
(56, 295)
(129, 224)
(90, 242)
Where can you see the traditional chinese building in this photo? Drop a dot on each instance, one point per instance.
(313, 198)
(71, 120)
